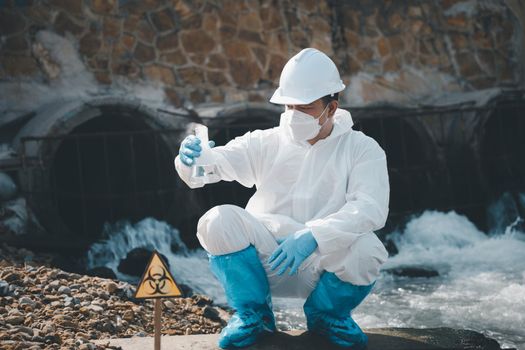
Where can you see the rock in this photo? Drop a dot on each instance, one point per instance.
(213, 314)
(127, 292)
(69, 324)
(107, 326)
(413, 272)
(160, 73)
(245, 73)
(11, 277)
(167, 42)
(144, 53)
(90, 44)
(136, 261)
(49, 327)
(382, 47)
(459, 21)
(64, 290)
(19, 65)
(75, 286)
(468, 65)
(391, 64)
(216, 78)
(61, 318)
(201, 300)
(192, 75)
(163, 20)
(64, 24)
(82, 336)
(176, 58)
(15, 320)
(102, 271)
(38, 339)
(111, 287)
(25, 330)
(128, 315)
(197, 41)
(276, 65)
(103, 295)
(26, 301)
(104, 6)
(237, 49)
(54, 285)
(52, 339)
(4, 288)
(95, 308)
(87, 346)
(169, 304)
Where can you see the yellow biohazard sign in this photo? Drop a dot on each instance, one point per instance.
(157, 281)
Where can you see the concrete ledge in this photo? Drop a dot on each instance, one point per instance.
(379, 339)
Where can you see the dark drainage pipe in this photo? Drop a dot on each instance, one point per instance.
(98, 161)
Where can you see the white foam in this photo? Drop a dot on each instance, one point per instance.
(481, 287)
(188, 267)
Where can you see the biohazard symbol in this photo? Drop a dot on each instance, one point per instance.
(157, 281)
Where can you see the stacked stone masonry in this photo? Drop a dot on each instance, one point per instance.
(234, 50)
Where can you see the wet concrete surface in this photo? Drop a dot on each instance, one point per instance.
(379, 339)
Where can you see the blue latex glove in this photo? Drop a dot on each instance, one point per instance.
(293, 251)
(190, 149)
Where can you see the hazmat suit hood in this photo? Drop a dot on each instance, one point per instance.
(343, 123)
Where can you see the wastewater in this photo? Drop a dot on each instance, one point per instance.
(479, 283)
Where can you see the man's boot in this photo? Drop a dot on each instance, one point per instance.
(328, 308)
(244, 280)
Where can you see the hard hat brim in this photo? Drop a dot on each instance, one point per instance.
(278, 97)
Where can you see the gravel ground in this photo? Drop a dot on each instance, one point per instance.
(42, 307)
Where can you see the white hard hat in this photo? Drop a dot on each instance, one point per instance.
(306, 77)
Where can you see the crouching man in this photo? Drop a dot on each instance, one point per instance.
(308, 231)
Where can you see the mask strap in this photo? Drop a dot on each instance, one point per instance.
(322, 115)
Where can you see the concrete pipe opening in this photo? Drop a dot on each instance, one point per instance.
(502, 149)
(104, 179)
(97, 163)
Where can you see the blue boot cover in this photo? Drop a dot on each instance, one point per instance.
(328, 308)
(246, 286)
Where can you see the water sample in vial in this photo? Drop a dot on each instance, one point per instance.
(204, 171)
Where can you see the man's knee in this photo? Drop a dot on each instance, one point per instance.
(216, 230)
(364, 261)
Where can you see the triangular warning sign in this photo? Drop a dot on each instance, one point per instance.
(157, 281)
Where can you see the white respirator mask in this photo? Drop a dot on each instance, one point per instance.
(302, 126)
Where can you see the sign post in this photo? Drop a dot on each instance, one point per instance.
(158, 314)
(156, 283)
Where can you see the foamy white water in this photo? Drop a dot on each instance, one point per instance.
(481, 284)
(188, 267)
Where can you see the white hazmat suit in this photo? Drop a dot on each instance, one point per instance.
(337, 188)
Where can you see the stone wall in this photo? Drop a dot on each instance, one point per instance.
(233, 50)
